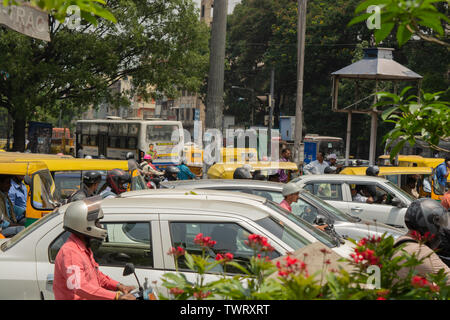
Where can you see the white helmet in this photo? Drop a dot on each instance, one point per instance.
(290, 188)
(82, 217)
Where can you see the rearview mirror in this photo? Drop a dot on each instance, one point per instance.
(129, 269)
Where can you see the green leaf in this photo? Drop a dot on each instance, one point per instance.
(388, 112)
(403, 34)
(385, 30)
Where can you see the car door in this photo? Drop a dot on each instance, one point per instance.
(179, 230)
(130, 239)
(329, 191)
(379, 212)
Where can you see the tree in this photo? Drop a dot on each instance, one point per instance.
(158, 44)
(59, 8)
(426, 117)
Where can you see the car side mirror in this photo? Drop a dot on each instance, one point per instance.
(397, 203)
(320, 220)
(27, 180)
(129, 269)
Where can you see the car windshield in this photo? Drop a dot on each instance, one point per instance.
(336, 213)
(286, 234)
(25, 232)
(316, 233)
(403, 193)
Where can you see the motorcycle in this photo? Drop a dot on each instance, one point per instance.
(142, 293)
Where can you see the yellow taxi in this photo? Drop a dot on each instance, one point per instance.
(226, 170)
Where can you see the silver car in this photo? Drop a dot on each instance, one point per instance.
(336, 190)
(142, 226)
(309, 207)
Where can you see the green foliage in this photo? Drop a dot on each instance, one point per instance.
(427, 119)
(58, 8)
(159, 46)
(410, 17)
(292, 281)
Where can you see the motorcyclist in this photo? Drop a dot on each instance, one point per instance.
(242, 173)
(76, 275)
(151, 169)
(171, 173)
(88, 187)
(424, 216)
(115, 184)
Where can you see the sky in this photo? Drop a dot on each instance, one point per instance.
(231, 4)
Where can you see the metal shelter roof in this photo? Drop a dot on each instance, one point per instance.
(377, 64)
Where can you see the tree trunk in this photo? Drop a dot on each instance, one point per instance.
(19, 132)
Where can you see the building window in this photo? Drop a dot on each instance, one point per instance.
(203, 11)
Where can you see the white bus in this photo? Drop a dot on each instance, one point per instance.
(114, 138)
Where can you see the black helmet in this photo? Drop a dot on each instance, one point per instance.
(91, 177)
(242, 173)
(130, 155)
(427, 215)
(329, 170)
(171, 172)
(372, 171)
(116, 179)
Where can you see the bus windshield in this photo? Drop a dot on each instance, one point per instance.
(163, 133)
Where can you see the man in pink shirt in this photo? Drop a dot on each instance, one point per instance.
(291, 194)
(77, 276)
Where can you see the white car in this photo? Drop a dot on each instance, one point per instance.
(142, 227)
(336, 190)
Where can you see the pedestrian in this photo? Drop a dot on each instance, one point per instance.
(18, 194)
(76, 274)
(9, 224)
(185, 173)
(285, 157)
(445, 200)
(410, 186)
(442, 172)
(317, 166)
(88, 186)
(425, 219)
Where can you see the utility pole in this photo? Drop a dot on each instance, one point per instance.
(214, 99)
(271, 106)
(301, 30)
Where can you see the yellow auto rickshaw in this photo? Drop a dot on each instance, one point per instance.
(40, 185)
(67, 171)
(226, 170)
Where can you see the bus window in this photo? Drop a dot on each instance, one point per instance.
(113, 129)
(123, 129)
(132, 143)
(93, 140)
(162, 133)
(85, 140)
(113, 142)
(123, 142)
(133, 129)
(103, 128)
(94, 129)
(85, 128)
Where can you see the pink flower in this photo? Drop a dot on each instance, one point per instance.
(258, 243)
(178, 252)
(226, 258)
(205, 242)
(381, 298)
(202, 295)
(419, 282)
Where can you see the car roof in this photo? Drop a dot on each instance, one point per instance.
(222, 183)
(337, 177)
(201, 201)
(388, 170)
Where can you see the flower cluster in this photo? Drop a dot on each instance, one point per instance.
(422, 238)
(420, 282)
(178, 252)
(291, 266)
(258, 243)
(365, 241)
(202, 295)
(366, 255)
(176, 291)
(224, 258)
(205, 242)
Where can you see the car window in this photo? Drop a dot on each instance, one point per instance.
(326, 191)
(379, 194)
(230, 237)
(125, 242)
